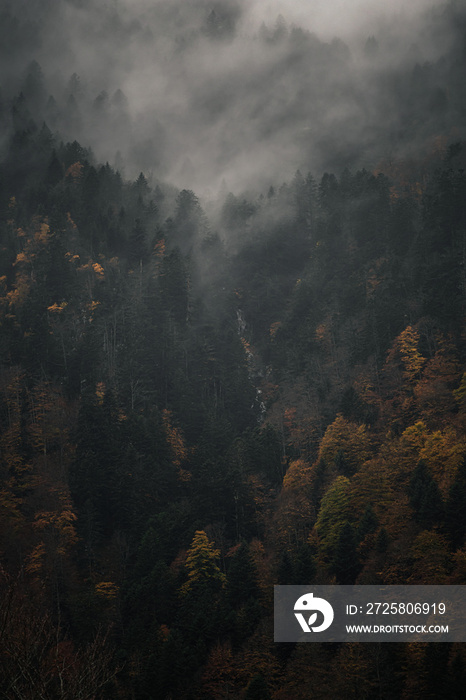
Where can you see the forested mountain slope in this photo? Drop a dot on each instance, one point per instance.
(203, 397)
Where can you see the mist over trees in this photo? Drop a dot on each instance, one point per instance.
(201, 92)
(232, 347)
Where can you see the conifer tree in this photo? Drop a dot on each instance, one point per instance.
(257, 689)
(345, 563)
(455, 508)
(241, 583)
(425, 496)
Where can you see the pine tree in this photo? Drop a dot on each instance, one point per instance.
(137, 244)
(241, 583)
(455, 508)
(368, 523)
(257, 689)
(425, 496)
(55, 170)
(345, 563)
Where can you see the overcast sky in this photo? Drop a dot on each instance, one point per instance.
(335, 17)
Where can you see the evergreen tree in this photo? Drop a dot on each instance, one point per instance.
(241, 585)
(455, 508)
(257, 689)
(137, 244)
(54, 170)
(425, 497)
(457, 677)
(345, 562)
(368, 523)
(382, 541)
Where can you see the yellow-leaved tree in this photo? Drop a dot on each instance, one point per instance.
(346, 445)
(407, 345)
(333, 514)
(201, 565)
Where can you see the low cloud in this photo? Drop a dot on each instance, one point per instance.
(202, 93)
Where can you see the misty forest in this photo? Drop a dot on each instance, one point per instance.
(232, 341)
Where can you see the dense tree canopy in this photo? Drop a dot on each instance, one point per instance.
(200, 399)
